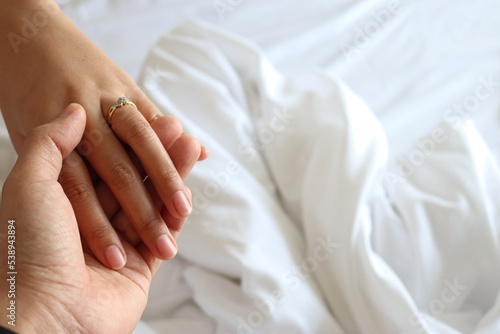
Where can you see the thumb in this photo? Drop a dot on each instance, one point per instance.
(46, 146)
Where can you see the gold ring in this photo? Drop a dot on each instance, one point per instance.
(122, 101)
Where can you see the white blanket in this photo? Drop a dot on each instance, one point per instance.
(299, 227)
(420, 233)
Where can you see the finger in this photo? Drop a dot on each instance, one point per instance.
(169, 129)
(175, 225)
(205, 152)
(189, 192)
(46, 146)
(92, 173)
(46, 221)
(133, 129)
(93, 223)
(112, 163)
(183, 152)
(140, 255)
(120, 221)
(152, 262)
(137, 163)
(107, 199)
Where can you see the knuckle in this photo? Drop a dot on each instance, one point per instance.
(46, 139)
(100, 234)
(39, 132)
(169, 175)
(152, 224)
(136, 94)
(78, 192)
(122, 176)
(43, 136)
(140, 131)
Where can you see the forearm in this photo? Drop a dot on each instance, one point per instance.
(22, 22)
(29, 33)
(22, 25)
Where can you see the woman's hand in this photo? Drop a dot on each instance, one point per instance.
(56, 65)
(59, 288)
(182, 148)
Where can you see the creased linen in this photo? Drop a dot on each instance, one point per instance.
(299, 227)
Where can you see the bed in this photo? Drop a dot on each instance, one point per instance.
(354, 172)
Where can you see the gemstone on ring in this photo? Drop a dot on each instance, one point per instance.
(122, 101)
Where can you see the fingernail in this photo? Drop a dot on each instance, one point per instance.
(166, 247)
(114, 257)
(181, 203)
(188, 192)
(69, 109)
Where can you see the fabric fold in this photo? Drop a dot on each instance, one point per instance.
(298, 226)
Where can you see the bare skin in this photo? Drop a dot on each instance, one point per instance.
(60, 287)
(47, 63)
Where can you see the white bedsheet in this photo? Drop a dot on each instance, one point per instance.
(428, 57)
(402, 247)
(300, 227)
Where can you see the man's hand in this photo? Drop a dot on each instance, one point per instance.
(58, 65)
(59, 286)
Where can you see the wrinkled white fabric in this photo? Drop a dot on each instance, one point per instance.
(426, 244)
(299, 227)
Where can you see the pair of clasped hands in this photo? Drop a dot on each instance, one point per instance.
(96, 205)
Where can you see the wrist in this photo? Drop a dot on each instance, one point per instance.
(41, 314)
(48, 320)
(25, 28)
